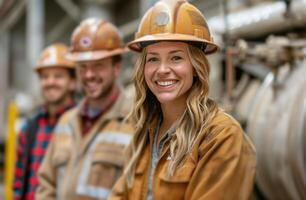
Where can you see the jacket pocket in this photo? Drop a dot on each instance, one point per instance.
(174, 187)
(109, 155)
(181, 175)
(105, 167)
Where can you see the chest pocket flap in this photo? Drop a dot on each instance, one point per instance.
(181, 175)
(109, 154)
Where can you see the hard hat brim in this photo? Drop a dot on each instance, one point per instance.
(94, 55)
(40, 67)
(135, 45)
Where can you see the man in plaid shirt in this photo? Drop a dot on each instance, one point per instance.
(57, 81)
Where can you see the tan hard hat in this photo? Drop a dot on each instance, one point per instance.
(173, 20)
(54, 56)
(95, 39)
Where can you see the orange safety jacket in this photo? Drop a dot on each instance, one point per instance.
(221, 166)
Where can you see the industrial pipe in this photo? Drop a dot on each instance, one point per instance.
(262, 19)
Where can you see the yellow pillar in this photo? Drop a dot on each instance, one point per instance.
(10, 151)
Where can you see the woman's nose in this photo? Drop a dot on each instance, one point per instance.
(163, 68)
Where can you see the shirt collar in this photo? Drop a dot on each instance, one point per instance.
(92, 112)
(44, 112)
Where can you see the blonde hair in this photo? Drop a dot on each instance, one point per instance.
(199, 112)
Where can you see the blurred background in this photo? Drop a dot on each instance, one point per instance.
(258, 75)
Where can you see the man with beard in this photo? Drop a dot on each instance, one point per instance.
(57, 81)
(86, 155)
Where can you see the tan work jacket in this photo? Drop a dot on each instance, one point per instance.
(85, 168)
(221, 166)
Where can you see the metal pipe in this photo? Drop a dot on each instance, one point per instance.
(35, 37)
(262, 19)
(70, 8)
(230, 72)
(145, 5)
(59, 29)
(4, 74)
(276, 126)
(94, 10)
(13, 16)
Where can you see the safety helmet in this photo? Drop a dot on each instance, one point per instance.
(173, 20)
(54, 56)
(95, 39)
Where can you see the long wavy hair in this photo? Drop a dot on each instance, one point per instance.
(198, 114)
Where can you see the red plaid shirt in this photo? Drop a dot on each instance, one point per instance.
(45, 125)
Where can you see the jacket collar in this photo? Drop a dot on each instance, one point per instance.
(119, 109)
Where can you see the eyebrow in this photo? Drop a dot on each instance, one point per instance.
(171, 52)
(152, 53)
(176, 51)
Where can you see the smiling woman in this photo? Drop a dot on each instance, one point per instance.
(185, 146)
(168, 72)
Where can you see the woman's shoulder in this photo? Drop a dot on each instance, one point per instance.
(222, 125)
(223, 130)
(223, 119)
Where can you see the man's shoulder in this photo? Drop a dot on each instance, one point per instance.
(29, 122)
(64, 124)
(69, 114)
(123, 104)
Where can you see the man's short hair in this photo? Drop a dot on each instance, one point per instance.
(116, 59)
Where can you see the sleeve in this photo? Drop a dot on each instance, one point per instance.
(20, 162)
(46, 189)
(226, 168)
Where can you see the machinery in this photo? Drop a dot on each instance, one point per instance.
(275, 117)
(266, 90)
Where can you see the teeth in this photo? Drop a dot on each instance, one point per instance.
(165, 83)
(91, 83)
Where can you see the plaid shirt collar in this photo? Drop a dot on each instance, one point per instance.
(92, 113)
(44, 112)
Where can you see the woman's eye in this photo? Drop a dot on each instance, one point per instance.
(153, 59)
(175, 58)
